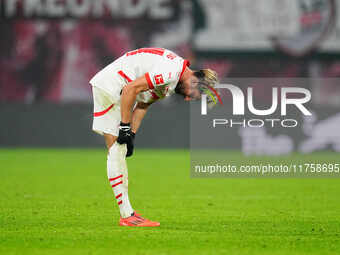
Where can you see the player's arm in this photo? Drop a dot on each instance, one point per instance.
(128, 97)
(138, 115)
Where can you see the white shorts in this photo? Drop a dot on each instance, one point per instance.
(106, 113)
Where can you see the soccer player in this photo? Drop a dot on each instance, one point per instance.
(122, 93)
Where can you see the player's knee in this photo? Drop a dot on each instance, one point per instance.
(109, 140)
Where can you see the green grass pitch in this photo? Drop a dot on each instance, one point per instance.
(60, 202)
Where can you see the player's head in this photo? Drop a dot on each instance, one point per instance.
(200, 82)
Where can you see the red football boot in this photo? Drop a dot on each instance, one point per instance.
(137, 221)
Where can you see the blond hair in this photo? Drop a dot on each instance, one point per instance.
(208, 80)
(210, 76)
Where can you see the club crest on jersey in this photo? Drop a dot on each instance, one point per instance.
(159, 79)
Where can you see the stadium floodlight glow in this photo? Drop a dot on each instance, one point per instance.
(239, 100)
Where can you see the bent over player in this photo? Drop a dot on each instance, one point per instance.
(122, 93)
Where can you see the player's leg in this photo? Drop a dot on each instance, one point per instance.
(117, 174)
(106, 122)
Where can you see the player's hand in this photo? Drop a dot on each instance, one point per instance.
(130, 145)
(126, 136)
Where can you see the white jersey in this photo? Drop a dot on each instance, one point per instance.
(161, 67)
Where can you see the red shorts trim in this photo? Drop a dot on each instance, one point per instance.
(121, 73)
(98, 114)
